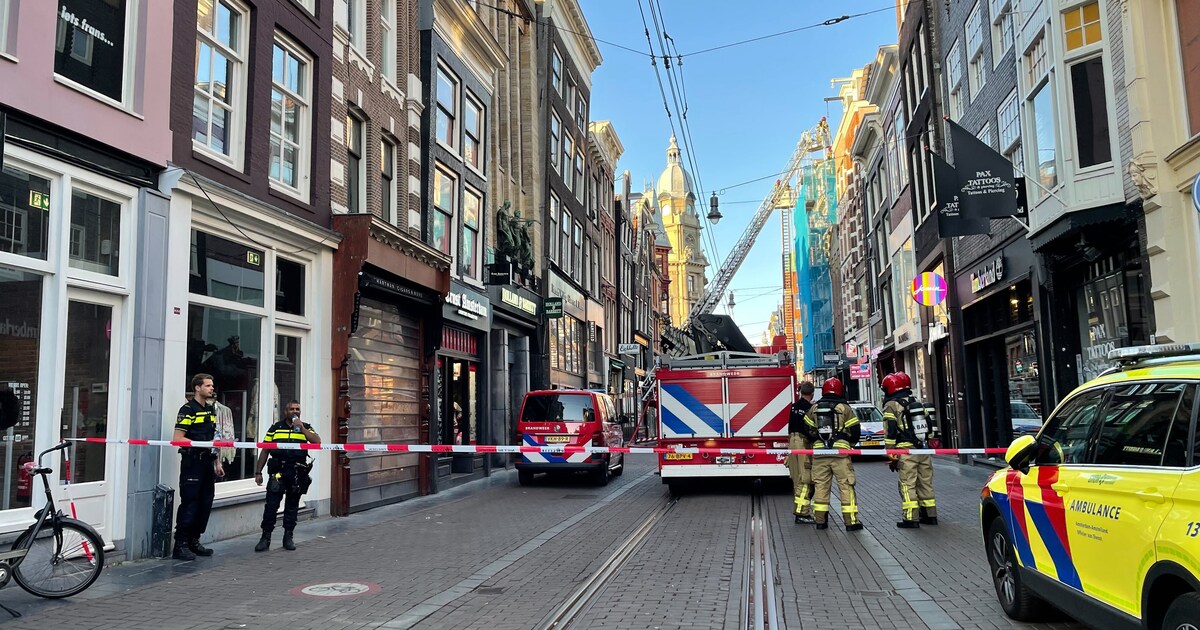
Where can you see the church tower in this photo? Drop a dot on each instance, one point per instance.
(686, 263)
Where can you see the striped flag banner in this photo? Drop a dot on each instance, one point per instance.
(556, 450)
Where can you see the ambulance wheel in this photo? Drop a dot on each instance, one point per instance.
(1017, 600)
(1183, 613)
(524, 477)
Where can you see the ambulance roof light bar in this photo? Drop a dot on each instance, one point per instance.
(1134, 354)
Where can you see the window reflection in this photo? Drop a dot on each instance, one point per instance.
(19, 345)
(226, 344)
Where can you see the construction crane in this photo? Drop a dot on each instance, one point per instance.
(705, 332)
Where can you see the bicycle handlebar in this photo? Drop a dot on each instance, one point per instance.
(64, 444)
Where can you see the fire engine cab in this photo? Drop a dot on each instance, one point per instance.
(728, 400)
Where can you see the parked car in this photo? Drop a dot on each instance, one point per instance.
(1025, 420)
(1097, 514)
(569, 417)
(870, 419)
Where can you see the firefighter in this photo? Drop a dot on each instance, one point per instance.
(832, 423)
(800, 466)
(908, 427)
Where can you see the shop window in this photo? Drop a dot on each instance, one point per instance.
(226, 344)
(90, 45)
(223, 269)
(87, 380)
(24, 213)
(1137, 422)
(95, 233)
(289, 287)
(20, 346)
(1090, 100)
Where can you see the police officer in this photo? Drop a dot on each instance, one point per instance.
(908, 427)
(800, 466)
(832, 423)
(199, 469)
(288, 474)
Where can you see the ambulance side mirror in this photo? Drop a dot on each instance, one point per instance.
(1020, 453)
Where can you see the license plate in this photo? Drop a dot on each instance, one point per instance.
(725, 459)
(557, 439)
(871, 443)
(677, 456)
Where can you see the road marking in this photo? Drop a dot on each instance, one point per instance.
(418, 613)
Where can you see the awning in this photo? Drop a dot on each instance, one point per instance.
(1071, 223)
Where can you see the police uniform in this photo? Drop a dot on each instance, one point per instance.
(832, 423)
(800, 466)
(908, 427)
(197, 477)
(287, 478)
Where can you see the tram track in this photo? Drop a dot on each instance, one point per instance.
(760, 605)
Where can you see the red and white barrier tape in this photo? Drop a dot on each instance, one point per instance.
(555, 450)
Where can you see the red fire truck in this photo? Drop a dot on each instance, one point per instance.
(723, 400)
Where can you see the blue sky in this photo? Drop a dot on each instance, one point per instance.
(747, 106)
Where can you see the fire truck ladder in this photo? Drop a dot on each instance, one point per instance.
(782, 195)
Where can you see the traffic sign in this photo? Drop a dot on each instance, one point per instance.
(929, 289)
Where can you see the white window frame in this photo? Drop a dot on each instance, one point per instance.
(356, 22)
(1003, 29)
(307, 5)
(556, 132)
(356, 174)
(986, 135)
(5, 8)
(555, 207)
(387, 179)
(303, 142)
(469, 191)
(236, 111)
(578, 175)
(473, 103)
(452, 216)
(577, 253)
(452, 143)
(974, 36)
(901, 149)
(388, 56)
(564, 243)
(128, 70)
(556, 70)
(1008, 118)
(568, 154)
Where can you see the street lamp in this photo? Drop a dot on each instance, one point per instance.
(714, 215)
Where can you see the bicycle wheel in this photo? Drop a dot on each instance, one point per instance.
(62, 563)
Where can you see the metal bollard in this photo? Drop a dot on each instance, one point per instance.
(164, 509)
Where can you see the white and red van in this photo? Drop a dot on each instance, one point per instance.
(569, 417)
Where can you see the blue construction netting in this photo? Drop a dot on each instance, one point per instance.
(814, 214)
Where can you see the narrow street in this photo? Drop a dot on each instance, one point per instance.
(565, 554)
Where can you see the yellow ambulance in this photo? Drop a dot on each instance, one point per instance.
(1099, 514)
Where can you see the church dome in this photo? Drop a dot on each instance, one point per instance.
(674, 180)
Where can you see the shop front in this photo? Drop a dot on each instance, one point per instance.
(1001, 343)
(387, 305)
(1094, 296)
(567, 336)
(460, 379)
(515, 311)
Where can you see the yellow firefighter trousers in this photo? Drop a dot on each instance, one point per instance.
(824, 470)
(916, 486)
(800, 468)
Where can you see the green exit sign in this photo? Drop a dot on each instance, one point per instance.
(253, 258)
(39, 200)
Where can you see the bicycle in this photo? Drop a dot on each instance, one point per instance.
(58, 556)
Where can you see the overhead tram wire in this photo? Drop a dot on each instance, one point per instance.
(654, 64)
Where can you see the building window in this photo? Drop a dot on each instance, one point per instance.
(568, 153)
(974, 31)
(1090, 100)
(1189, 43)
(95, 233)
(1043, 146)
(356, 23)
(954, 79)
(554, 209)
(220, 77)
(577, 255)
(564, 244)
(354, 163)
(387, 180)
(555, 132)
(387, 40)
(226, 270)
(473, 132)
(586, 280)
(1081, 26)
(90, 45)
(24, 213)
(444, 188)
(976, 77)
(468, 263)
(1016, 155)
(289, 287)
(892, 163)
(290, 85)
(1036, 62)
(580, 110)
(596, 269)
(1008, 116)
(1002, 29)
(901, 145)
(447, 108)
(985, 134)
(556, 70)
(578, 178)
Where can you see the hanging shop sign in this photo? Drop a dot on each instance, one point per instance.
(951, 219)
(860, 371)
(929, 289)
(986, 177)
(553, 307)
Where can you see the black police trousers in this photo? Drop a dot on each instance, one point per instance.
(291, 502)
(197, 483)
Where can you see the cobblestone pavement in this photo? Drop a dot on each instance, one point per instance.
(493, 554)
